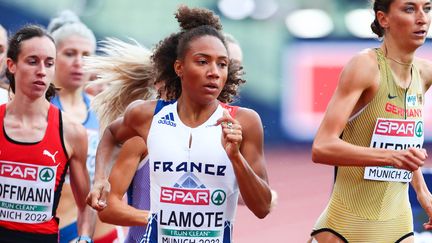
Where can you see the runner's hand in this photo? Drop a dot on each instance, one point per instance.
(410, 159)
(231, 134)
(98, 194)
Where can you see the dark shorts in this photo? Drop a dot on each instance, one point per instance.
(13, 236)
(341, 237)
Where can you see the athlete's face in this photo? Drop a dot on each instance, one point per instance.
(34, 69)
(204, 69)
(407, 21)
(70, 53)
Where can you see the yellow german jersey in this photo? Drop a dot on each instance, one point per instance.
(371, 204)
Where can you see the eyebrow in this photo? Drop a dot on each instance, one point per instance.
(35, 56)
(206, 55)
(31, 56)
(413, 4)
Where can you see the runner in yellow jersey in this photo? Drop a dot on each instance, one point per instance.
(373, 132)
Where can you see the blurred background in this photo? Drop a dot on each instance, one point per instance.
(293, 53)
(293, 50)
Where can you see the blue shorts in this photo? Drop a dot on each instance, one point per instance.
(69, 232)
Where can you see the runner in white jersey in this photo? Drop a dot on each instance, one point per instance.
(218, 153)
(193, 186)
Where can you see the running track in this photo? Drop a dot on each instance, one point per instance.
(303, 188)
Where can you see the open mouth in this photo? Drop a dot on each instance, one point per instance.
(211, 86)
(420, 33)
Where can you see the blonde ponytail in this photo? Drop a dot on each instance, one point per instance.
(127, 71)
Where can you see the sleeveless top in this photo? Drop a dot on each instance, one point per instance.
(31, 178)
(91, 124)
(194, 190)
(139, 197)
(392, 120)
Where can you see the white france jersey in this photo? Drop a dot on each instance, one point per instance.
(193, 189)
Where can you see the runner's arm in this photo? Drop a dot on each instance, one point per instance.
(250, 167)
(118, 212)
(424, 196)
(134, 122)
(76, 140)
(358, 80)
(243, 142)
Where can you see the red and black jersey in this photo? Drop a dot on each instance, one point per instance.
(31, 178)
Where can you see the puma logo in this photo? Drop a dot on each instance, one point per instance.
(52, 156)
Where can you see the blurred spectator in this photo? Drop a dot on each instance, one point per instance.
(234, 49)
(3, 80)
(74, 41)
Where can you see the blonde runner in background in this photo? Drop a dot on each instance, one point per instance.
(74, 41)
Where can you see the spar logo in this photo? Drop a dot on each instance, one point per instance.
(218, 197)
(46, 174)
(18, 171)
(419, 129)
(398, 128)
(190, 191)
(184, 196)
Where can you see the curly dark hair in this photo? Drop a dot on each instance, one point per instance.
(194, 23)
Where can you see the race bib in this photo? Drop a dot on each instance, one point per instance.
(395, 134)
(180, 220)
(26, 192)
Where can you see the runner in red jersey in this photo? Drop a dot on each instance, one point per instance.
(37, 145)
